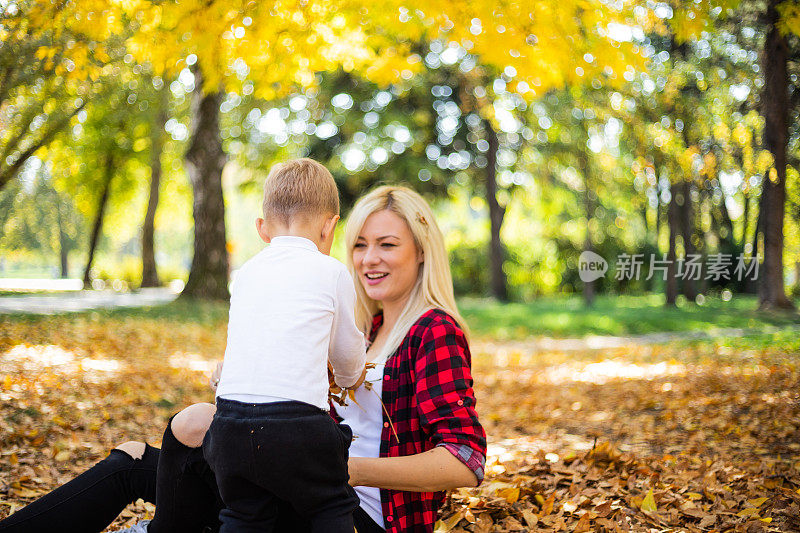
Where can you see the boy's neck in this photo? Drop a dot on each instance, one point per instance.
(304, 234)
(297, 229)
(318, 230)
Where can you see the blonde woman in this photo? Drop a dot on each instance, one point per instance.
(417, 432)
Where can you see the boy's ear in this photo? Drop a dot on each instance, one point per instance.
(329, 227)
(263, 230)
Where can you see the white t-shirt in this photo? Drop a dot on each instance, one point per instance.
(365, 418)
(292, 310)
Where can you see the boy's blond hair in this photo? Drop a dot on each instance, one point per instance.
(299, 187)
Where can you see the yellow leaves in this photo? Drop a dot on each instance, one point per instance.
(721, 131)
(140, 144)
(789, 13)
(21, 491)
(56, 398)
(741, 134)
(547, 505)
(763, 161)
(539, 40)
(773, 175)
(758, 502)
(649, 503)
(687, 158)
(62, 456)
(510, 494)
(45, 52)
(444, 526)
(709, 167)
(748, 512)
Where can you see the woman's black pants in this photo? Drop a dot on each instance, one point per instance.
(176, 478)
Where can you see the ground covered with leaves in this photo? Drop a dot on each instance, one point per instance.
(679, 437)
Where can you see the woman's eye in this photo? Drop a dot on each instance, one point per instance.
(388, 245)
(358, 245)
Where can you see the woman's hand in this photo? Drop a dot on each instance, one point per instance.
(430, 471)
(215, 375)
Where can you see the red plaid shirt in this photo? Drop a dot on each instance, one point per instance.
(427, 391)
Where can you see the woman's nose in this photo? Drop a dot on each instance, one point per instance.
(371, 256)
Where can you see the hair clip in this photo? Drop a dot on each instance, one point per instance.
(421, 219)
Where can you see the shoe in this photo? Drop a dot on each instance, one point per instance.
(140, 527)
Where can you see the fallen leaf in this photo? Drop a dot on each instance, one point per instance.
(444, 526)
(583, 525)
(649, 503)
(530, 518)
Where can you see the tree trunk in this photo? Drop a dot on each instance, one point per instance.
(750, 284)
(149, 270)
(583, 161)
(658, 214)
(686, 223)
(671, 286)
(759, 230)
(98, 219)
(64, 256)
(205, 159)
(496, 213)
(63, 246)
(745, 219)
(775, 107)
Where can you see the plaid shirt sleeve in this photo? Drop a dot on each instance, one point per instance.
(445, 399)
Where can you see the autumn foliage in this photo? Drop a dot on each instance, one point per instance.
(700, 437)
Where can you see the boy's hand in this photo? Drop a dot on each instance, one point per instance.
(215, 375)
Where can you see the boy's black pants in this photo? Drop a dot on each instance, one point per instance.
(291, 451)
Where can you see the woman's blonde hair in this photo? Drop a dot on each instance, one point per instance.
(434, 285)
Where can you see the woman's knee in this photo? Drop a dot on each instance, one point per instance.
(190, 425)
(133, 448)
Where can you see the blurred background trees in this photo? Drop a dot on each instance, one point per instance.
(135, 138)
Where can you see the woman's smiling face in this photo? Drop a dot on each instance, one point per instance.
(386, 258)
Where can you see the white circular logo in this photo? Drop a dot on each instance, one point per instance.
(591, 266)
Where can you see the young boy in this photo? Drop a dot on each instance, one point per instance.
(292, 311)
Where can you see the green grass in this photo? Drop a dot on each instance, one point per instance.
(180, 311)
(15, 293)
(567, 316)
(785, 341)
(564, 316)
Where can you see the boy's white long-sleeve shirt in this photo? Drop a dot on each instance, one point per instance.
(292, 310)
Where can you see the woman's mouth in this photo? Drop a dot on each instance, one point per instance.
(373, 278)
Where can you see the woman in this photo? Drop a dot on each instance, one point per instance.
(416, 427)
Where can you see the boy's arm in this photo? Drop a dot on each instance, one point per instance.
(347, 350)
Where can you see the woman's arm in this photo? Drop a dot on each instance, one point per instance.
(430, 471)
